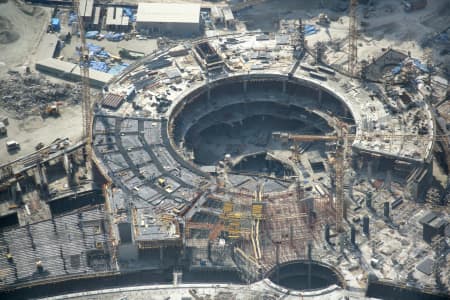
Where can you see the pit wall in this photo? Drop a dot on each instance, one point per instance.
(340, 278)
(192, 94)
(195, 93)
(249, 269)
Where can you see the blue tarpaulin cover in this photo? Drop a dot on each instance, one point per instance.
(99, 66)
(115, 37)
(416, 63)
(397, 69)
(129, 13)
(117, 69)
(72, 18)
(421, 66)
(97, 51)
(310, 29)
(56, 24)
(91, 34)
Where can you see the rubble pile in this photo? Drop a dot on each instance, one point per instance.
(30, 94)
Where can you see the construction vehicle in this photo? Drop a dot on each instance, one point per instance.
(3, 130)
(39, 146)
(12, 146)
(323, 20)
(52, 110)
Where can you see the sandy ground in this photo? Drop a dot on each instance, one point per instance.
(26, 23)
(386, 25)
(33, 45)
(33, 130)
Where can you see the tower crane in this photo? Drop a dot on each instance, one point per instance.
(86, 108)
(353, 38)
(343, 139)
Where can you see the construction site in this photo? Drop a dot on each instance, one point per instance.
(275, 153)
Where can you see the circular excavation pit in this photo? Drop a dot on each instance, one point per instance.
(294, 276)
(262, 164)
(237, 117)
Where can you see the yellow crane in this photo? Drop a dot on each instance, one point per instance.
(86, 107)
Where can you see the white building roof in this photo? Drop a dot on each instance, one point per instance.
(227, 14)
(97, 11)
(114, 16)
(168, 13)
(85, 8)
(57, 65)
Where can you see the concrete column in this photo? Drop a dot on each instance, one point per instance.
(309, 263)
(388, 180)
(369, 169)
(369, 200)
(13, 193)
(327, 233)
(366, 229)
(386, 210)
(353, 235)
(320, 97)
(278, 261)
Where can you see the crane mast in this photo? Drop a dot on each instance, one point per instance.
(353, 38)
(86, 108)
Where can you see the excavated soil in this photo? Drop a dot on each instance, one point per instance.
(7, 33)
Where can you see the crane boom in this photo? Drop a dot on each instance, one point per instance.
(85, 85)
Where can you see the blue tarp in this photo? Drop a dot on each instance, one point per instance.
(91, 34)
(309, 29)
(397, 69)
(115, 37)
(129, 13)
(421, 66)
(93, 48)
(416, 63)
(56, 24)
(117, 69)
(97, 51)
(99, 66)
(72, 18)
(102, 54)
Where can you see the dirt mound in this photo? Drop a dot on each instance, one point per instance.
(7, 33)
(7, 37)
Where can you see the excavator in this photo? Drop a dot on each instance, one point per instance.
(52, 110)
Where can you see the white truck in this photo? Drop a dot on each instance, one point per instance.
(12, 145)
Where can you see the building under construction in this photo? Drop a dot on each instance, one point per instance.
(248, 154)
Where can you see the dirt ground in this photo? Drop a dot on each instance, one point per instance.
(33, 130)
(21, 27)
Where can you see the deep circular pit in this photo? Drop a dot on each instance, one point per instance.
(237, 116)
(294, 276)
